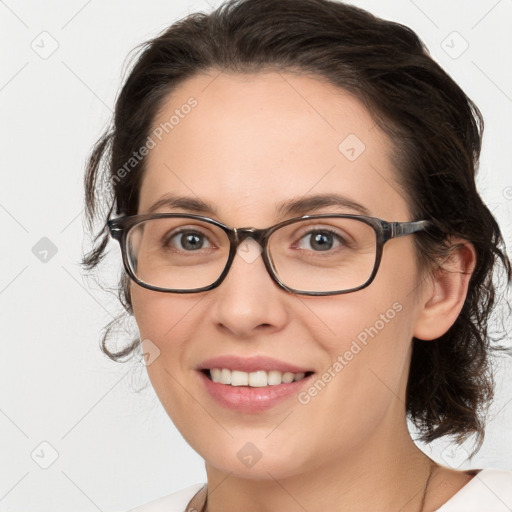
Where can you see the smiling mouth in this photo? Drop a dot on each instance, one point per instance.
(257, 379)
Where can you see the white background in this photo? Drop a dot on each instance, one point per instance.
(116, 447)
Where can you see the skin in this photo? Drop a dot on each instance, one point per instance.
(253, 141)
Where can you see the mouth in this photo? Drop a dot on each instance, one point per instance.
(254, 379)
(252, 384)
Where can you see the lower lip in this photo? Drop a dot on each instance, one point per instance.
(251, 399)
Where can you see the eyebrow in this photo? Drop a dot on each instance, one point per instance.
(191, 204)
(294, 206)
(308, 204)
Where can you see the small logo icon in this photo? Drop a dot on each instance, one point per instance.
(249, 455)
(45, 45)
(351, 147)
(44, 250)
(44, 455)
(249, 250)
(454, 45)
(507, 193)
(455, 456)
(150, 352)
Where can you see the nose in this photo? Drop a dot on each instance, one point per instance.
(248, 302)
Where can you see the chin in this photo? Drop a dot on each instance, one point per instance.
(248, 461)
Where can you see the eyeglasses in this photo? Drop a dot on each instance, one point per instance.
(325, 254)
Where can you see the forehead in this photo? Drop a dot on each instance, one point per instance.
(245, 142)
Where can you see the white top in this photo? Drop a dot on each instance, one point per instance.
(490, 490)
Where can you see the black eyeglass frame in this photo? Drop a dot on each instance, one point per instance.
(384, 231)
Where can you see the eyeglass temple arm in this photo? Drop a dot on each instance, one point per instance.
(407, 228)
(115, 230)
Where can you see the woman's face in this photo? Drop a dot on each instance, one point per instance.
(251, 143)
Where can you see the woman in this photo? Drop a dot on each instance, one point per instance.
(307, 258)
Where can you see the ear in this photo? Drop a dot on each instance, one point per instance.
(444, 292)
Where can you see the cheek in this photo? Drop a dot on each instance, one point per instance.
(364, 377)
(383, 312)
(166, 323)
(161, 317)
(364, 338)
(368, 334)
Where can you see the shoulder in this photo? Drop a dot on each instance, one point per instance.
(175, 502)
(490, 490)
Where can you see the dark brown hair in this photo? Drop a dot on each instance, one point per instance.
(436, 131)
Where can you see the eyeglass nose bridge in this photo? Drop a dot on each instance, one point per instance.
(240, 235)
(237, 237)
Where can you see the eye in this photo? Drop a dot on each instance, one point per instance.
(320, 240)
(187, 240)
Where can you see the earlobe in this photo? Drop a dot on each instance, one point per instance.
(444, 295)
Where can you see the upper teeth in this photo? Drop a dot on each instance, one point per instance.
(254, 379)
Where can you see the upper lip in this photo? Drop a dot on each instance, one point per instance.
(251, 364)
